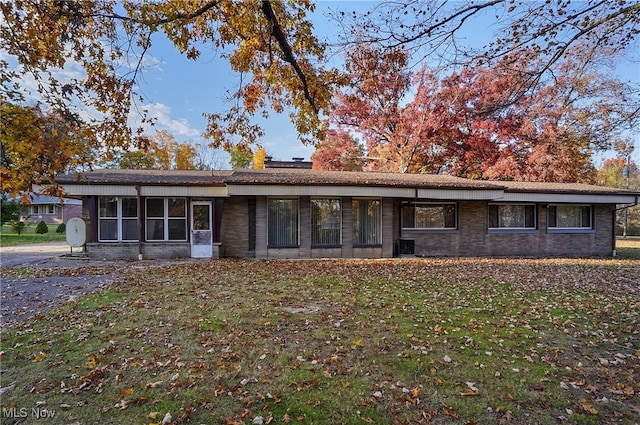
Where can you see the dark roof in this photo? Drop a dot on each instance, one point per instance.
(146, 177)
(293, 176)
(353, 178)
(537, 187)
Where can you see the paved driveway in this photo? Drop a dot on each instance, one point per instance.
(50, 282)
(25, 255)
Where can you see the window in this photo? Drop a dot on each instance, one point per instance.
(512, 216)
(51, 209)
(367, 222)
(283, 223)
(166, 219)
(429, 216)
(570, 217)
(326, 222)
(35, 209)
(117, 219)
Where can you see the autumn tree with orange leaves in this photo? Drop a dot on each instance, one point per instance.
(269, 44)
(474, 123)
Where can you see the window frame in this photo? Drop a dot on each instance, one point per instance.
(570, 229)
(519, 229)
(166, 218)
(296, 226)
(119, 219)
(315, 238)
(367, 244)
(426, 204)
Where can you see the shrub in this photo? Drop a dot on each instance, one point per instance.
(42, 228)
(17, 226)
(61, 228)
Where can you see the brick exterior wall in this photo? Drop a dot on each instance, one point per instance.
(473, 239)
(235, 227)
(470, 239)
(123, 250)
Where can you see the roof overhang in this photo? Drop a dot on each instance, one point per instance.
(573, 198)
(363, 191)
(460, 194)
(319, 190)
(122, 190)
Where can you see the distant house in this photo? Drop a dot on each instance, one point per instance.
(51, 210)
(296, 212)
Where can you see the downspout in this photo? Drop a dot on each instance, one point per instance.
(615, 210)
(139, 204)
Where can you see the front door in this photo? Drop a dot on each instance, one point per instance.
(201, 233)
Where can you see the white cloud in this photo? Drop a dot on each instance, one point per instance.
(161, 116)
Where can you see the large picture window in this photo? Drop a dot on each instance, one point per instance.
(326, 222)
(367, 222)
(429, 216)
(166, 219)
(283, 218)
(570, 217)
(512, 216)
(117, 219)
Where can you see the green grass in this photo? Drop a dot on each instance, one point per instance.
(28, 235)
(340, 342)
(628, 247)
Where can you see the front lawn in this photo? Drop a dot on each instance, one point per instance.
(446, 341)
(28, 235)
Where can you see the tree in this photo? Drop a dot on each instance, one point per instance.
(37, 144)
(546, 32)
(259, 156)
(622, 172)
(468, 124)
(241, 157)
(338, 152)
(160, 152)
(9, 209)
(271, 43)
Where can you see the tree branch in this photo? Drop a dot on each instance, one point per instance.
(289, 57)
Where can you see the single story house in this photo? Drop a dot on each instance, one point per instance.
(302, 213)
(51, 209)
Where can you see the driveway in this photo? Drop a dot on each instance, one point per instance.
(26, 255)
(38, 277)
(35, 278)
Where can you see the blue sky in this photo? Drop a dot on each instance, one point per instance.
(179, 91)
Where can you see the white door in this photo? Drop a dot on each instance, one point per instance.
(201, 233)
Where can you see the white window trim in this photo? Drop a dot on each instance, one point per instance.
(166, 218)
(118, 219)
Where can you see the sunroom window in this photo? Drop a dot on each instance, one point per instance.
(326, 222)
(367, 222)
(166, 219)
(570, 217)
(512, 216)
(117, 219)
(429, 216)
(283, 219)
